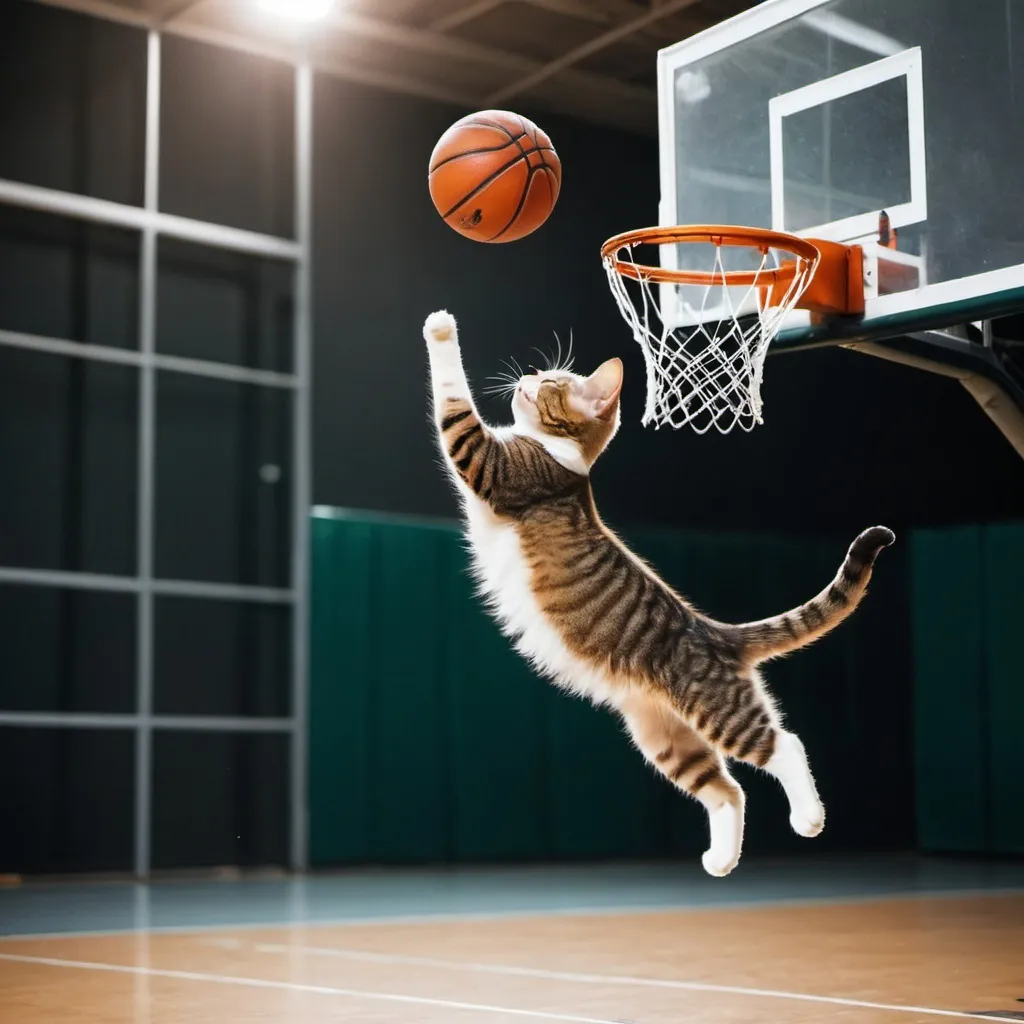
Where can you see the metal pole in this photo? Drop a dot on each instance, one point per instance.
(302, 468)
(146, 469)
(127, 357)
(103, 211)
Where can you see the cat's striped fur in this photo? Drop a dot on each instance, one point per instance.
(593, 617)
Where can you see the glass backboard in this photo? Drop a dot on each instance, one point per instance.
(814, 116)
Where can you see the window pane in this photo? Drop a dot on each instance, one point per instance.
(66, 804)
(70, 279)
(223, 472)
(221, 658)
(68, 459)
(72, 102)
(227, 130)
(67, 650)
(220, 799)
(224, 306)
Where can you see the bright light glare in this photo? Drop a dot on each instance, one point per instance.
(297, 10)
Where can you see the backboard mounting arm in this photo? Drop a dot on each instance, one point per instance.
(977, 367)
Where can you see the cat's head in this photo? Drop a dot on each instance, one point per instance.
(561, 404)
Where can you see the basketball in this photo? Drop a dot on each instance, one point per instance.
(494, 176)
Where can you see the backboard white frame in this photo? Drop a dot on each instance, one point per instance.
(767, 15)
(906, 65)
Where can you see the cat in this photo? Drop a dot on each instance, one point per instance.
(594, 618)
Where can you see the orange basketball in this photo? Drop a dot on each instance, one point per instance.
(494, 176)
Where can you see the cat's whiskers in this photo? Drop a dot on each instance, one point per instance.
(514, 366)
(569, 357)
(563, 365)
(556, 363)
(505, 384)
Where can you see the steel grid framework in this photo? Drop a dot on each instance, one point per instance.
(152, 224)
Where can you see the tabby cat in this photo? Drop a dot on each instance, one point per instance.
(590, 615)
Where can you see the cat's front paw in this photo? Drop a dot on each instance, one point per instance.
(440, 326)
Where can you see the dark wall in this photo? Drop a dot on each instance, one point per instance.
(384, 260)
(848, 439)
(72, 102)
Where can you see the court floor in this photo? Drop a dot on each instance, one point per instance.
(824, 939)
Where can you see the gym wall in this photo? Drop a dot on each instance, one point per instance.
(848, 441)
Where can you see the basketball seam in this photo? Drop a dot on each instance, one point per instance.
(521, 155)
(526, 131)
(538, 148)
(471, 152)
(492, 124)
(522, 202)
(553, 180)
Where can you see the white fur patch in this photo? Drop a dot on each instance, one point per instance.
(504, 583)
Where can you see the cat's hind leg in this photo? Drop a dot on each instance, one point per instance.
(687, 761)
(741, 721)
(789, 764)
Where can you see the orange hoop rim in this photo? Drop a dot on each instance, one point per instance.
(761, 239)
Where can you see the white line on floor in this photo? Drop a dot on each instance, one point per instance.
(610, 979)
(289, 986)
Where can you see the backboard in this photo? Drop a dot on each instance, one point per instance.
(815, 116)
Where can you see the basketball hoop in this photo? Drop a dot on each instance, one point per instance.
(706, 336)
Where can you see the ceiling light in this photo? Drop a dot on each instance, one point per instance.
(297, 10)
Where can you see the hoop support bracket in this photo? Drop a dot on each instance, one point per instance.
(837, 286)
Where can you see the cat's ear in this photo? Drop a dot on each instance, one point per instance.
(601, 389)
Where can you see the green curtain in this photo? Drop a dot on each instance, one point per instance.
(968, 607)
(431, 741)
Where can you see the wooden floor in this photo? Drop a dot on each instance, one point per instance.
(879, 961)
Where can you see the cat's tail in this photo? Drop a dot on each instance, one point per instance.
(771, 638)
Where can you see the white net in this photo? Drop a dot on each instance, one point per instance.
(705, 361)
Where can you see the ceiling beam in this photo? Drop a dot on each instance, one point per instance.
(582, 10)
(602, 13)
(176, 10)
(401, 8)
(462, 15)
(378, 78)
(601, 42)
(586, 95)
(451, 47)
(105, 10)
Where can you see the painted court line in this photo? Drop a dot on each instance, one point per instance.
(612, 979)
(290, 986)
